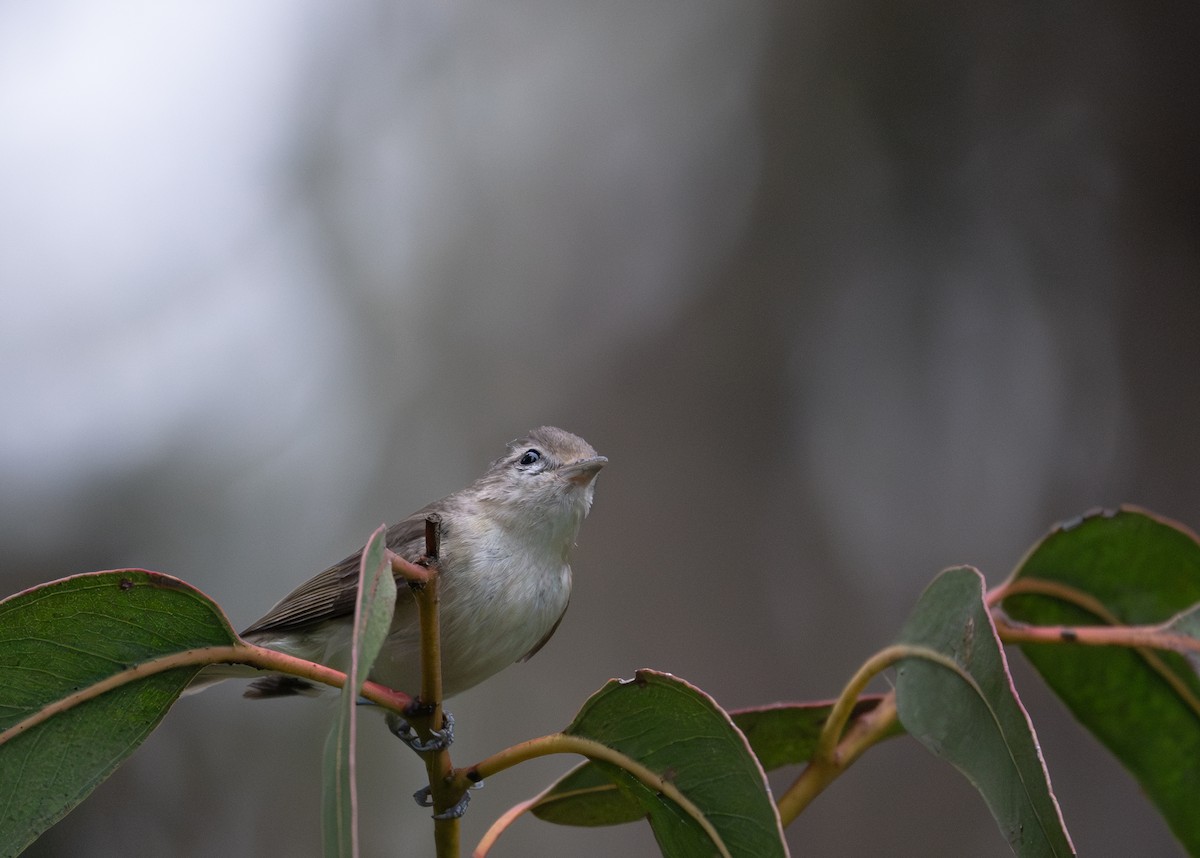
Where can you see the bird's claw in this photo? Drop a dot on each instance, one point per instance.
(438, 740)
(424, 798)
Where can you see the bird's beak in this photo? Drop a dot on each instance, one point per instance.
(584, 471)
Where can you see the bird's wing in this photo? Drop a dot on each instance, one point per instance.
(334, 592)
(545, 638)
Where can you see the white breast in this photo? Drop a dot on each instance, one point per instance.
(494, 610)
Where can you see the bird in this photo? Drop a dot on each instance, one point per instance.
(505, 577)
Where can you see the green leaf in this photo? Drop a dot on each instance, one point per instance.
(779, 735)
(372, 617)
(65, 637)
(956, 697)
(1127, 567)
(677, 731)
(588, 796)
(786, 733)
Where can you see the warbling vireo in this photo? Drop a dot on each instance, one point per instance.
(504, 584)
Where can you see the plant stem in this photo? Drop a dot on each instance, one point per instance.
(1137, 637)
(834, 753)
(426, 714)
(868, 729)
(239, 653)
(1144, 640)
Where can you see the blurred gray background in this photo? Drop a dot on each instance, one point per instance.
(847, 292)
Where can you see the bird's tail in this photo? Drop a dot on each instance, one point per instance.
(215, 673)
(265, 684)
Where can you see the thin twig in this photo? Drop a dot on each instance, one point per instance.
(239, 653)
(427, 713)
(868, 729)
(1142, 640)
(1133, 637)
(834, 752)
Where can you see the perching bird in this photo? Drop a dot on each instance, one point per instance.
(504, 586)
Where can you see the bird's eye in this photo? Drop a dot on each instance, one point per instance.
(529, 458)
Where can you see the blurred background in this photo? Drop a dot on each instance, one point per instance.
(847, 292)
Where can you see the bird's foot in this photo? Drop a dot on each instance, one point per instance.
(424, 798)
(438, 740)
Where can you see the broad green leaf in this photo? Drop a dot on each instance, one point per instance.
(958, 700)
(677, 731)
(64, 637)
(779, 735)
(372, 617)
(1144, 706)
